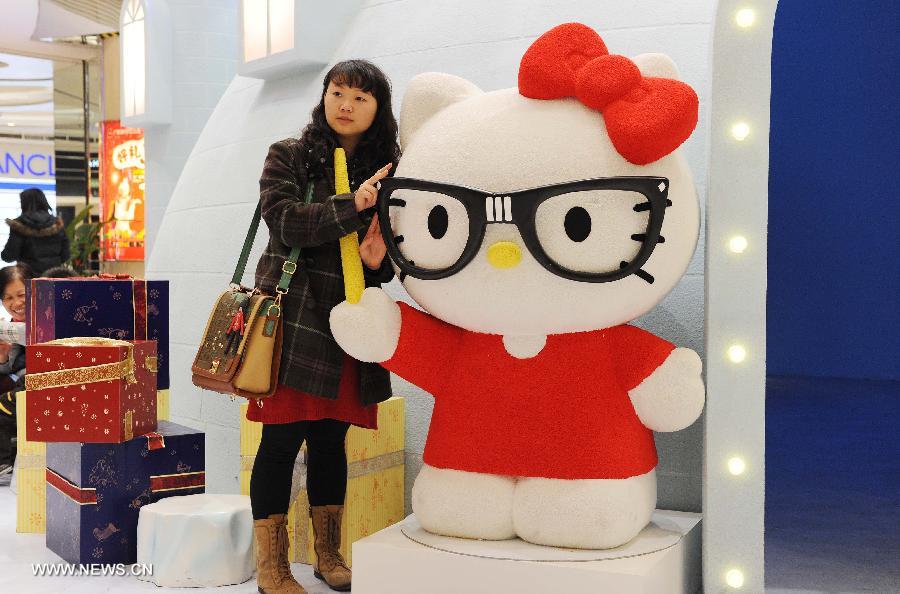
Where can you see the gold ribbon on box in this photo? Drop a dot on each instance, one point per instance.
(85, 375)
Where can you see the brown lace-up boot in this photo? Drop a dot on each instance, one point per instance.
(273, 570)
(330, 566)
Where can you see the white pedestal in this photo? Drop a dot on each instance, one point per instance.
(405, 559)
(197, 540)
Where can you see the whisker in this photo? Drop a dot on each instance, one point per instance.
(644, 275)
(403, 275)
(646, 206)
(396, 202)
(643, 236)
(640, 273)
(398, 239)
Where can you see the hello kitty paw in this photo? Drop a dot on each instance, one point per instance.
(672, 397)
(368, 330)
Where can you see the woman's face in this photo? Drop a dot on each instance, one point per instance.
(348, 110)
(14, 300)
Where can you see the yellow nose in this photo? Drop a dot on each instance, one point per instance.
(504, 254)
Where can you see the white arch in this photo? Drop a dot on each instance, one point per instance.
(737, 206)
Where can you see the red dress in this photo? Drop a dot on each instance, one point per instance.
(564, 413)
(288, 405)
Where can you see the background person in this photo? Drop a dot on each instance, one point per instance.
(36, 237)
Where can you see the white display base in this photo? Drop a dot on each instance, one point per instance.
(405, 559)
(197, 540)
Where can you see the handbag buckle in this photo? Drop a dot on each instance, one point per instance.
(291, 270)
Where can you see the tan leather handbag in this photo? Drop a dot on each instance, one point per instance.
(240, 351)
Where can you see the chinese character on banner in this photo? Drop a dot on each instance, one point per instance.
(122, 192)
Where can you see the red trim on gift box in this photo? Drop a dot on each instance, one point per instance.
(171, 482)
(155, 441)
(139, 298)
(81, 496)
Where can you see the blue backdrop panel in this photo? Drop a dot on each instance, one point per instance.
(834, 190)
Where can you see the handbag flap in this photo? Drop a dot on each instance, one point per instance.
(218, 357)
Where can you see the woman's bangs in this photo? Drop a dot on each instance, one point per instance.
(353, 75)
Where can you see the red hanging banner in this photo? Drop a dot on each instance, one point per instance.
(121, 192)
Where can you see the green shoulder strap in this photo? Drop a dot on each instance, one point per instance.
(290, 265)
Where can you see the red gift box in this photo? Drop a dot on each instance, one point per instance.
(92, 390)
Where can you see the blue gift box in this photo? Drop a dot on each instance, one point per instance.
(124, 309)
(95, 490)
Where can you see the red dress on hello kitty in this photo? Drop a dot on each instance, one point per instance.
(564, 413)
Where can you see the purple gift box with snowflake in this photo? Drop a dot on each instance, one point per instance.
(120, 308)
(95, 491)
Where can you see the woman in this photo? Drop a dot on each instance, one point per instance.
(12, 359)
(36, 238)
(321, 390)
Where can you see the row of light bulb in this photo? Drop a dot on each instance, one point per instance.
(737, 353)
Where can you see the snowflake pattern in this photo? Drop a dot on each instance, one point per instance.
(39, 354)
(154, 293)
(66, 294)
(79, 355)
(98, 552)
(117, 295)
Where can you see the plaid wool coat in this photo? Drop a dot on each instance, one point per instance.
(311, 360)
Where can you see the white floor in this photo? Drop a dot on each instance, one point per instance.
(19, 551)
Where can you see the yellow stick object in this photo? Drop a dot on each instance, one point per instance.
(350, 260)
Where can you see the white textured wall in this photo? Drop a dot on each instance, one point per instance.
(204, 60)
(201, 232)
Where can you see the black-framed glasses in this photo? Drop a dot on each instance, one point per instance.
(593, 230)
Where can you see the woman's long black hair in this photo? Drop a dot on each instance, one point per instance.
(33, 200)
(378, 145)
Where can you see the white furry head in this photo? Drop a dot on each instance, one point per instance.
(500, 142)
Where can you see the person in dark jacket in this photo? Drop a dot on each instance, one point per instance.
(321, 390)
(37, 237)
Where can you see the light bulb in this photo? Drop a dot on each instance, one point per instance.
(745, 17)
(737, 244)
(737, 353)
(734, 578)
(736, 466)
(740, 131)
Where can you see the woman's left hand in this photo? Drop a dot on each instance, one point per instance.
(372, 248)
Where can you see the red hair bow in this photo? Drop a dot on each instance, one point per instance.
(646, 118)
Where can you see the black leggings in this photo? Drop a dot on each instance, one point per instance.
(326, 476)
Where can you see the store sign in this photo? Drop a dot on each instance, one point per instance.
(26, 164)
(122, 192)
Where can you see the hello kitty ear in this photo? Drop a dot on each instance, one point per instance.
(657, 65)
(426, 95)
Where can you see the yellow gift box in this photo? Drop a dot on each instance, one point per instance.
(375, 485)
(31, 464)
(162, 405)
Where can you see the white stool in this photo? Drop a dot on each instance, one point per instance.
(197, 540)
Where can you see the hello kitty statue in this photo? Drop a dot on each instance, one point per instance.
(531, 225)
